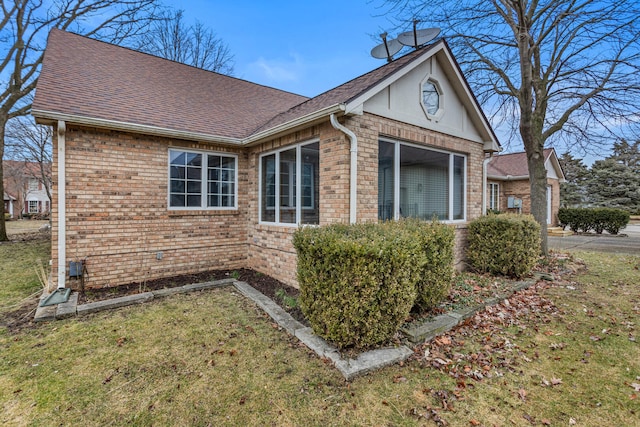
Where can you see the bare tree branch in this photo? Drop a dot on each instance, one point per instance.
(194, 45)
(24, 27)
(556, 71)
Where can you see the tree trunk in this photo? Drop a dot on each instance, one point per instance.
(538, 188)
(3, 228)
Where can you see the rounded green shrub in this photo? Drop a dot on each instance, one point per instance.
(357, 282)
(507, 244)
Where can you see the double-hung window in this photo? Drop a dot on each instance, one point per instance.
(202, 180)
(289, 186)
(494, 194)
(421, 183)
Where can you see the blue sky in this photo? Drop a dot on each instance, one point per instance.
(305, 47)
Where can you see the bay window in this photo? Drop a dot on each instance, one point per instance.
(289, 185)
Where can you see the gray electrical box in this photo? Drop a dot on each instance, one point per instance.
(75, 269)
(514, 202)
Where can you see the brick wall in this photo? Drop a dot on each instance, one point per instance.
(118, 217)
(521, 190)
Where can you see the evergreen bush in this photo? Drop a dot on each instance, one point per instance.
(596, 219)
(507, 244)
(358, 283)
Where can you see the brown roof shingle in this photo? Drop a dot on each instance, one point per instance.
(92, 79)
(89, 78)
(512, 164)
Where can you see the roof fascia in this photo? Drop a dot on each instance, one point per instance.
(49, 116)
(354, 105)
(473, 101)
(305, 120)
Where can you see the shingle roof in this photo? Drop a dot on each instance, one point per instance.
(345, 92)
(512, 164)
(89, 78)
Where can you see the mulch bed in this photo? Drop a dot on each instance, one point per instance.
(269, 286)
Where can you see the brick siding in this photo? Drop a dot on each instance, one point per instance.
(118, 220)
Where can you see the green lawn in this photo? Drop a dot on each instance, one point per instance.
(571, 355)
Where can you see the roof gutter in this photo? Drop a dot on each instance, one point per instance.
(300, 121)
(353, 178)
(135, 128)
(508, 177)
(191, 136)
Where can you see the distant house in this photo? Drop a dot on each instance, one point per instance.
(24, 180)
(508, 187)
(8, 204)
(163, 169)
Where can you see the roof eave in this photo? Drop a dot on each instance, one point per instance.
(305, 120)
(48, 117)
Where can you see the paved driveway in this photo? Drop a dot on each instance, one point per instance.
(628, 242)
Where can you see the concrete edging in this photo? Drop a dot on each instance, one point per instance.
(349, 368)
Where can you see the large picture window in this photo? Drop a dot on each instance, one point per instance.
(201, 180)
(421, 183)
(289, 186)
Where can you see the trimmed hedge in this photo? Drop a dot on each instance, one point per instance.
(436, 240)
(359, 282)
(506, 244)
(596, 219)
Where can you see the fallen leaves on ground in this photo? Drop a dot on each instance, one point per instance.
(497, 353)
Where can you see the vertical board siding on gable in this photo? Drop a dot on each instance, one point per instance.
(118, 219)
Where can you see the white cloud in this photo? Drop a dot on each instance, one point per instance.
(278, 71)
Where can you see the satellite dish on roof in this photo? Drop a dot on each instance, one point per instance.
(417, 38)
(387, 48)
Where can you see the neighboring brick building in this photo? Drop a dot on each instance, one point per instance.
(163, 169)
(508, 185)
(25, 182)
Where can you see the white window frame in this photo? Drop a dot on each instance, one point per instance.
(298, 185)
(450, 180)
(494, 189)
(31, 203)
(204, 181)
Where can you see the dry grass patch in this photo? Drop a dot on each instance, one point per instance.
(556, 354)
(19, 266)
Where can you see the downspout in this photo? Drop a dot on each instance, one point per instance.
(485, 162)
(353, 178)
(62, 237)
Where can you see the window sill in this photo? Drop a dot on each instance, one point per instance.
(203, 212)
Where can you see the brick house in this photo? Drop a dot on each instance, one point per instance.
(508, 184)
(163, 169)
(24, 180)
(9, 202)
